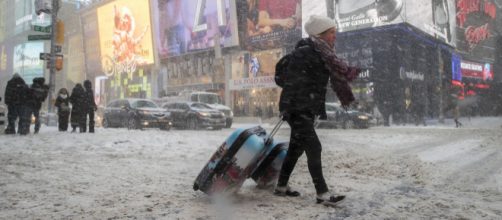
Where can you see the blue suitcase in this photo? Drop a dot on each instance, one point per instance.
(267, 172)
(233, 162)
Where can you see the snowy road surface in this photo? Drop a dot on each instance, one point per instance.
(400, 172)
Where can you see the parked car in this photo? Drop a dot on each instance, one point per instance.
(3, 117)
(195, 115)
(341, 118)
(136, 114)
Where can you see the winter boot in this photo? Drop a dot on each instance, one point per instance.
(285, 191)
(328, 199)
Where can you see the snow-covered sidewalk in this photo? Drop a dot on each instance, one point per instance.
(399, 172)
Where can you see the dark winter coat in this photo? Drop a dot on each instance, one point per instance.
(305, 88)
(39, 92)
(89, 102)
(15, 91)
(78, 110)
(63, 104)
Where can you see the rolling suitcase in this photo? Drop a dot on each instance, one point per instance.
(233, 162)
(267, 172)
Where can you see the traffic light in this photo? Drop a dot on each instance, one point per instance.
(59, 63)
(60, 32)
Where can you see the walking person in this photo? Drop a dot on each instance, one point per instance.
(63, 107)
(311, 65)
(15, 103)
(78, 111)
(39, 92)
(89, 105)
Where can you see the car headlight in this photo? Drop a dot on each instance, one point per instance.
(363, 117)
(204, 114)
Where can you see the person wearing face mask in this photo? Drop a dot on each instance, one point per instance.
(311, 66)
(63, 107)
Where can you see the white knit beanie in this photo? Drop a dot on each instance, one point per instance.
(318, 24)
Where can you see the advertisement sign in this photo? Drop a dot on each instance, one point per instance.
(271, 23)
(477, 70)
(125, 36)
(91, 43)
(3, 20)
(193, 25)
(434, 17)
(26, 61)
(25, 16)
(456, 67)
(476, 21)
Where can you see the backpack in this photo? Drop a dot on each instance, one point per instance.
(281, 69)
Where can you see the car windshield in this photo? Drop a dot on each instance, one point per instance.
(144, 104)
(209, 98)
(200, 106)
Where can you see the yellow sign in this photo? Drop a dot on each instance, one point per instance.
(125, 36)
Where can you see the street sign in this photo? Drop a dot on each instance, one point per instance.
(58, 48)
(39, 37)
(46, 29)
(45, 56)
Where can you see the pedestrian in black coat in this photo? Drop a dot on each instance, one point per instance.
(78, 110)
(39, 92)
(90, 105)
(15, 95)
(63, 107)
(312, 64)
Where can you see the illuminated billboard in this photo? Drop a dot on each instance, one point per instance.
(192, 25)
(125, 36)
(476, 29)
(434, 17)
(26, 61)
(270, 24)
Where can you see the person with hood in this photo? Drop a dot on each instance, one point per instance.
(90, 104)
(15, 101)
(311, 65)
(39, 92)
(78, 110)
(63, 107)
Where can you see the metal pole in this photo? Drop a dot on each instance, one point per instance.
(52, 60)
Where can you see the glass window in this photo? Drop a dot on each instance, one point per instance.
(144, 104)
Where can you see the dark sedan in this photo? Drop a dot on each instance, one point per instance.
(195, 115)
(136, 114)
(341, 118)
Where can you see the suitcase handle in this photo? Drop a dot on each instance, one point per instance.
(274, 131)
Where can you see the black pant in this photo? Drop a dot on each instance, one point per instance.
(63, 120)
(36, 113)
(14, 112)
(89, 114)
(303, 138)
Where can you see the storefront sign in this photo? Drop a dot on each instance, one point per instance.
(477, 70)
(253, 83)
(411, 75)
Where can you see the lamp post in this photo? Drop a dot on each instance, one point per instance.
(52, 60)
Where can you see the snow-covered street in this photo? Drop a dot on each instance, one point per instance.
(399, 172)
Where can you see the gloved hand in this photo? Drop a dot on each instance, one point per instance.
(95, 108)
(285, 115)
